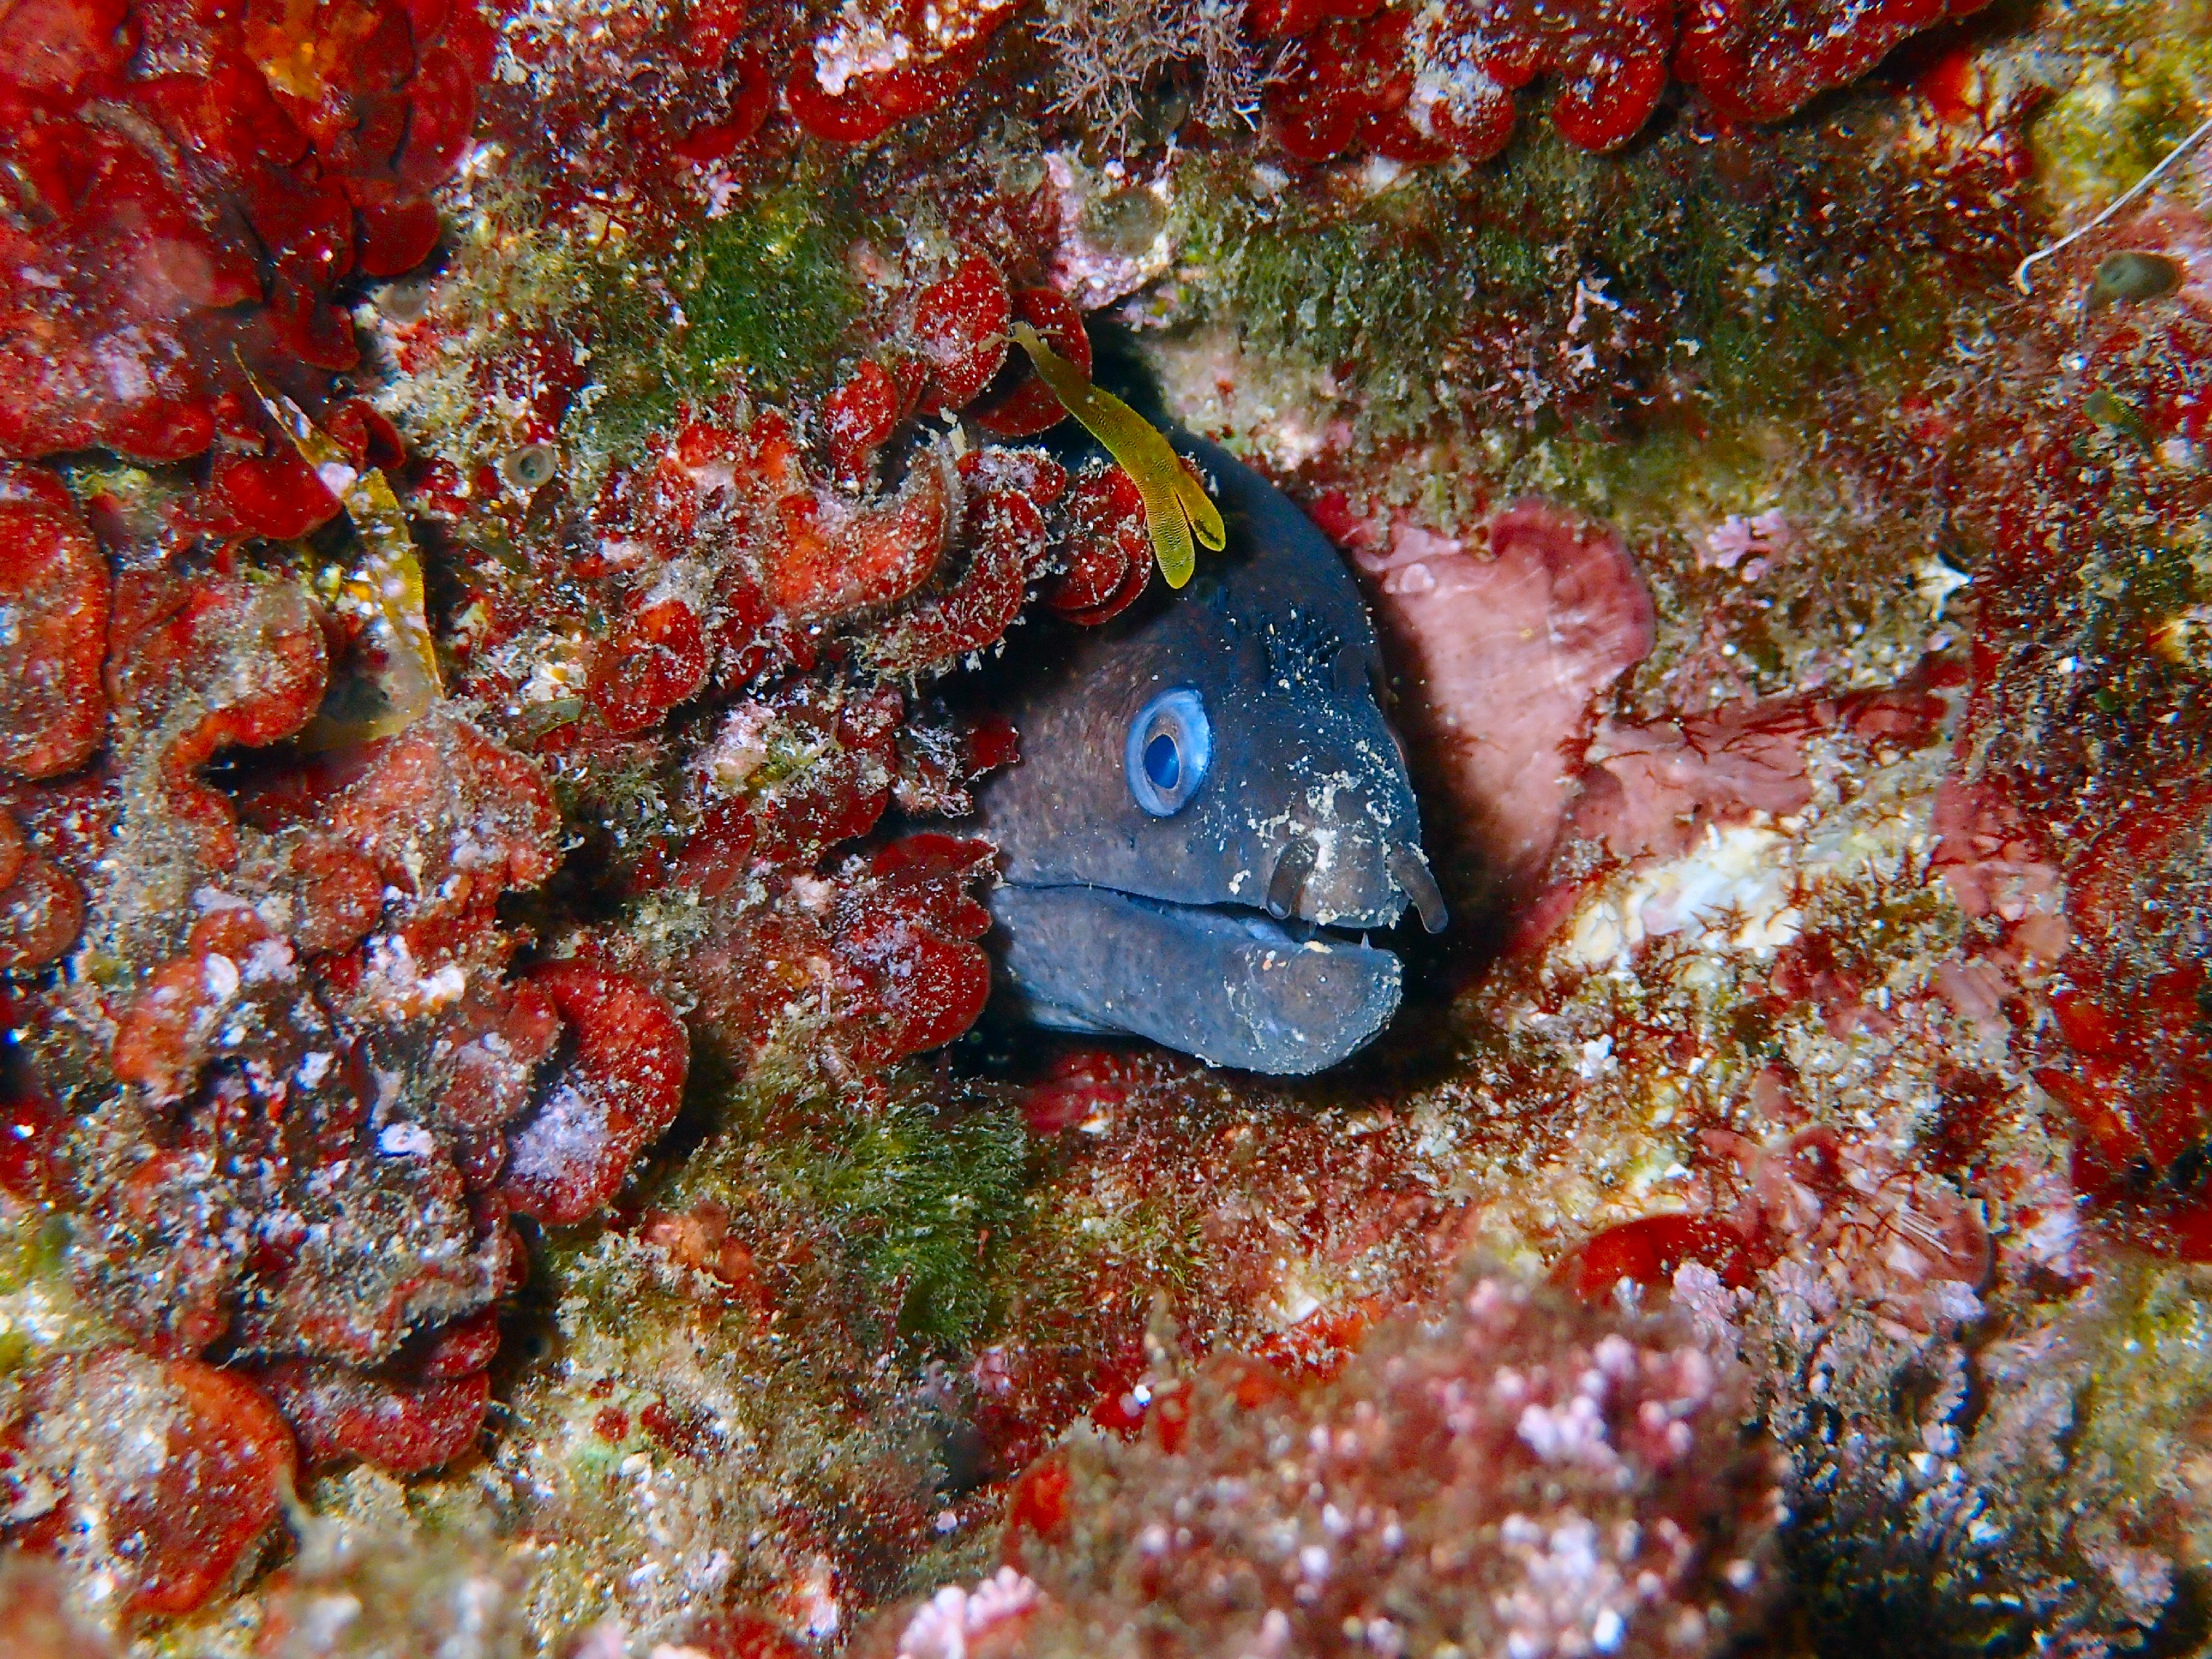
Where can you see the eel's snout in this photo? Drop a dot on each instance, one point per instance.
(1329, 878)
(1363, 886)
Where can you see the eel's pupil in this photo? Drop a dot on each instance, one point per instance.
(1162, 765)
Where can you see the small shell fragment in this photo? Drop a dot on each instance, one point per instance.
(530, 466)
(2133, 275)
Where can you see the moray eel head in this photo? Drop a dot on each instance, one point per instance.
(1211, 809)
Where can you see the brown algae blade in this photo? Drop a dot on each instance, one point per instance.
(384, 588)
(1177, 510)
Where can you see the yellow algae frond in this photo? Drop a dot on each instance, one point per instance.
(383, 588)
(1177, 509)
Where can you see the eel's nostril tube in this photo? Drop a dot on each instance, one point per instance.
(1285, 886)
(1411, 871)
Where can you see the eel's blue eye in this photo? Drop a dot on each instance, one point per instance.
(1170, 745)
(1162, 765)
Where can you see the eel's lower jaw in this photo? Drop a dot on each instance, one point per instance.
(1230, 986)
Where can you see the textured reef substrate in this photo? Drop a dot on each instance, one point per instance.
(513, 525)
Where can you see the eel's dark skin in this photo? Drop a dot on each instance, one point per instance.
(1112, 919)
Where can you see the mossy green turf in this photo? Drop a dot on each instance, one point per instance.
(766, 292)
(1763, 299)
(914, 1186)
(765, 301)
(2145, 81)
(915, 1194)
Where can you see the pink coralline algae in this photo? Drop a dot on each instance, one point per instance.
(1504, 656)
(1508, 639)
(1653, 787)
(956, 1621)
(1506, 1474)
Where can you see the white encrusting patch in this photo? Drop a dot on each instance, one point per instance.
(1730, 892)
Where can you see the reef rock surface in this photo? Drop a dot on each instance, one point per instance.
(516, 523)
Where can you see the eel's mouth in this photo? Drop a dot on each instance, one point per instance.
(1284, 931)
(1229, 983)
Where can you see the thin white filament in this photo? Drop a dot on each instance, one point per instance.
(2020, 275)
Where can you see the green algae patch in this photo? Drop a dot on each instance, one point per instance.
(40, 1312)
(897, 1198)
(1677, 284)
(764, 293)
(2131, 103)
(638, 317)
(759, 298)
(1305, 279)
(916, 1196)
(713, 1396)
(1671, 339)
(2153, 1377)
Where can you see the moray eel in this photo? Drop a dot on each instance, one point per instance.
(1209, 808)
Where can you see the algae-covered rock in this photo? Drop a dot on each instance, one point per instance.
(504, 1152)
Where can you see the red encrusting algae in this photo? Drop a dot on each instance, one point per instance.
(186, 190)
(1415, 86)
(170, 1528)
(333, 1081)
